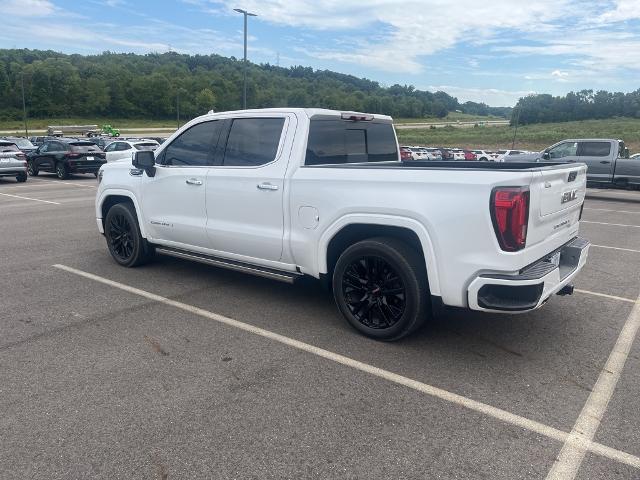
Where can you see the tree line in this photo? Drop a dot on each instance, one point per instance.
(582, 105)
(157, 85)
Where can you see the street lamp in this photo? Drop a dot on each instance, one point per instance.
(24, 107)
(244, 90)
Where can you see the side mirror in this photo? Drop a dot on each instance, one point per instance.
(546, 155)
(145, 160)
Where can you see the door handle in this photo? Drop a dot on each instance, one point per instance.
(604, 162)
(267, 186)
(193, 181)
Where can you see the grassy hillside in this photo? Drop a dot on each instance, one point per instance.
(530, 137)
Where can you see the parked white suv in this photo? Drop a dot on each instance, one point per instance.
(124, 149)
(289, 192)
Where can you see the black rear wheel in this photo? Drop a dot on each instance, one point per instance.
(125, 242)
(61, 171)
(22, 178)
(380, 286)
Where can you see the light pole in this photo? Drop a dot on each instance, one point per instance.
(178, 107)
(24, 106)
(244, 89)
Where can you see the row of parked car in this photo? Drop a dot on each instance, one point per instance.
(20, 157)
(454, 154)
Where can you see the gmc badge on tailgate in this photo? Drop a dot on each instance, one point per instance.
(569, 196)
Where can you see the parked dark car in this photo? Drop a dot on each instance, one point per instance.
(101, 142)
(160, 140)
(446, 154)
(63, 156)
(39, 140)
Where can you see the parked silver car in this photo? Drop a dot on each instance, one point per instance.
(13, 163)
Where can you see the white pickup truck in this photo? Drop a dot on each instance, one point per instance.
(289, 192)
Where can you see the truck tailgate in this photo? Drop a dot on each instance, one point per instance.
(562, 189)
(557, 196)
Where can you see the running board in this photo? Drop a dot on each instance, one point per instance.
(282, 276)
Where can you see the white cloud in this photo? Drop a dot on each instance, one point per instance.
(624, 10)
(407, 38)
(26, 8)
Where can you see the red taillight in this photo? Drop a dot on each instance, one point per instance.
(510, 216)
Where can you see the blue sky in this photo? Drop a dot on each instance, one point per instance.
(493, 51)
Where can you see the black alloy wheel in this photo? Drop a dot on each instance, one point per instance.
(374, 292)
(380, 286)
(31, 169)
(61, 170)
(125, 242)
(121, 237)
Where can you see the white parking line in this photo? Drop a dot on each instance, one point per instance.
(616, 248)
(572, 454)
(610, 210)
(604, 295)
(28, 198)
(611, 224)
(497, 413)
(56, 182)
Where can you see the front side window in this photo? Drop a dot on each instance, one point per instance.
(595, 149)
(194, 147)
(111, 147)
(253, 141)
(568, 149)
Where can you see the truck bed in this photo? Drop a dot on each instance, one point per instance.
(455, 165)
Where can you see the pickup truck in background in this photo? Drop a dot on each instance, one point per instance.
(289, 192)
(607, 160)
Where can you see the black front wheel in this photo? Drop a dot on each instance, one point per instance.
(125, 242)
(31, 169)
(380, 286)
(61, 171)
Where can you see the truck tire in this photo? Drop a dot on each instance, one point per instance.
(125, 242)
(61, 171)
(380, 286)
(32, 170)
(21, 178)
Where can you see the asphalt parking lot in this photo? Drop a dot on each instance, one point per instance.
(179, 370)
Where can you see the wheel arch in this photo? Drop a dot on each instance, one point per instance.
(351, 229)
(110, 198)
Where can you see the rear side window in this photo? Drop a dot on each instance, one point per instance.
(595, 149)
(146, 146)
(253, 141)
(8, 147)
(334, 142)
(194, 147)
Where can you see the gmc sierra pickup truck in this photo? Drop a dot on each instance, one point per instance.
(289, 192)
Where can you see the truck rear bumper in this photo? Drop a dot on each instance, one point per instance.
(533, 285)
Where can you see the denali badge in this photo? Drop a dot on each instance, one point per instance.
(572, 176)
(569, 196)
